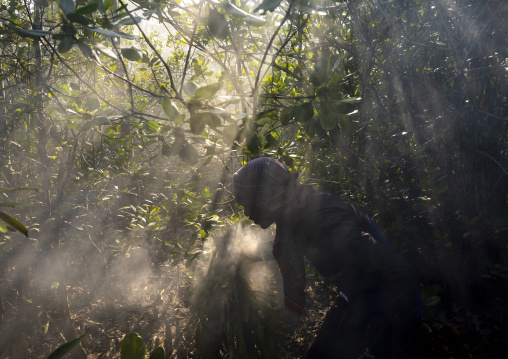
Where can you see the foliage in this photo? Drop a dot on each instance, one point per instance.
(10, 222)
(133, 347)
(129, 119)
(65, 348)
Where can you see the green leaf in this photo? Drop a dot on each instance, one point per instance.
(188, 154)
(347, 125)
(268, 5)
(230, 133)
(351, 100)
(189, 88)
(3, 228)
(80, 19)
(400, 148)
(271, 142)
(213, 120)
(432, 301)
(158, 353)
(264, 121)
(101, 121)
(222, 113)
(166, 150)
(231, 100)
(198, 120)
(13, 204)
(133, 347)
(254, 20)
(207, 91)
(108, 4)
(103, 32)
(32, 33)
(328, 122)
(151, 126)
(179, 119)
(101, 5)
(86, 50)
(14, 223)
(197, 123)
(375, 126)
(132, 54)
(4, 190)
(287, 115)
(217, 24)
(253, 144)
(304, 112)
(208, 118)
(92, 104)
(130, 21)
(65, 348)
(104, 50)
(169, 109)
(67, 6)
(75, 87)
(87, 9)
(234, 11)
(65, 44)
(86, 125)
(128, 36)
(245, 16)
(175, 147)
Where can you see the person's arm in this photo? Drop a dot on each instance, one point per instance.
(291, 263)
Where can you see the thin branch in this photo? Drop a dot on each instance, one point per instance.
(157, 53)
(188, 55)
(240, 61)
(51, 66)
(492, 115)
(126, 73)
(285, 97)
(130, 83)
(255, 88)
(80, 79)
(493, 159)
(289, 37)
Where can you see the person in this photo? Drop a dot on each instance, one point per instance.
(378, 306)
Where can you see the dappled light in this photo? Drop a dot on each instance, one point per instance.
(122, 124)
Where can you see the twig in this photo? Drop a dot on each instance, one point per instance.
(256, 81)
(131, 83)
(188, 55)
(493, 159)
(126, 73)
(157, 53)
(80, 79)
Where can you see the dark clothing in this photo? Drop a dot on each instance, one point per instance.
(346, 333)
(334, 236)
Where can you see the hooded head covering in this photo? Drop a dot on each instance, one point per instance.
(265, 182)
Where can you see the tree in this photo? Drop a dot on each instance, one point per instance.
(131, 137)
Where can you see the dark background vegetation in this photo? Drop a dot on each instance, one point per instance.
(122, 123)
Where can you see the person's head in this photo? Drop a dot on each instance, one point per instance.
(264, 187)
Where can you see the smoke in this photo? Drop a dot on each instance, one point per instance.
(247, 251)
(82, 262)
(96, 280)
(236, 300)
(261, 269)
(85, 261)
